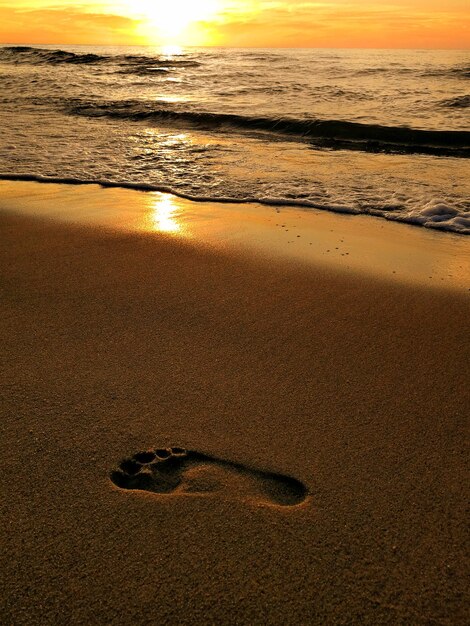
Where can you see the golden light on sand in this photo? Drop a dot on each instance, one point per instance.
(174, 22)
(163, 216)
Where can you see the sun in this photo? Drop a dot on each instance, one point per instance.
(173, 22)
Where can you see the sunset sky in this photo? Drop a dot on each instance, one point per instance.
(265, 23)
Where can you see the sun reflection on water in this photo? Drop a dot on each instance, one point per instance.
(164, 215)
(172, 50)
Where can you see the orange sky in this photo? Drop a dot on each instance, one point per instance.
(265, 23)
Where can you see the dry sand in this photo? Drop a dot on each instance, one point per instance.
(355, 385)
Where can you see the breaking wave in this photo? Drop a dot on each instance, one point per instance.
(335, 134)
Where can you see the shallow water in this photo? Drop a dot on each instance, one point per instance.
(376, 132)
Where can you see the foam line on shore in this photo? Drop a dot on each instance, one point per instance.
(351, 244)
(433, 215)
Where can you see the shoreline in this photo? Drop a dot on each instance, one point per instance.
(352, 382)
(435, 226)
(389, 250)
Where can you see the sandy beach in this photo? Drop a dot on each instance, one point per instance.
(350, 377)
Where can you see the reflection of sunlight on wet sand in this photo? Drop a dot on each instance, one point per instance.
(163, 216)
(389, 250)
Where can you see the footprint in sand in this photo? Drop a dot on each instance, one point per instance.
(176, 471)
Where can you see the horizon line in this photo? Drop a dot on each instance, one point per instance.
(162, 45)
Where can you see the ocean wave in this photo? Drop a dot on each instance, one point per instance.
(460, 71)
(370, 71)
(26, 54)
(459, 102)
(144, 61)
(130, 63)
(434, 214)
(333, 134)
(268, 56)
(392, 71)
(146, 70)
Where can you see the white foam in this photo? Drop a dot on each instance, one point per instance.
(438, 214)
(435, 214)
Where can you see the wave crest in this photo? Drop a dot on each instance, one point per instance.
(335, 134)
(129, 63)
(459, 102)
(27, 54)
(460, 71)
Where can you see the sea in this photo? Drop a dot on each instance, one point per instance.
(378, 132)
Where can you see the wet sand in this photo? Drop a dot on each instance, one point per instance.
(352, 383)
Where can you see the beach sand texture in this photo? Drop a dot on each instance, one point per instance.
(325, 415)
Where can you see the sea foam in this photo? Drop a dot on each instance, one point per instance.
(433, 215)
